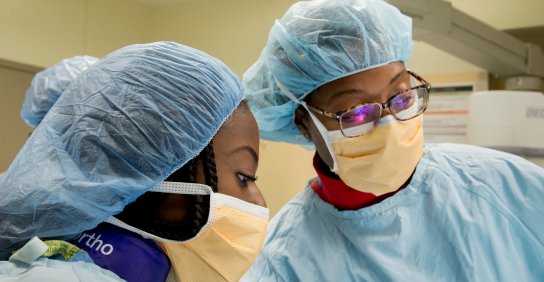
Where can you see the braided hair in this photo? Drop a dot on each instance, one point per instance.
(142, 213)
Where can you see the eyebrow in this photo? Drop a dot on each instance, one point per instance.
(248, 149)
(397, 76)
(362, 91)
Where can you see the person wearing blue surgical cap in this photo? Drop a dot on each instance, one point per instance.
(142, 170)
(385, 206)
(47, 86)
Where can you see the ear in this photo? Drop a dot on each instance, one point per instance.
(301, 121)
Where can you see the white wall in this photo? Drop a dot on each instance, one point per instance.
(41, 33)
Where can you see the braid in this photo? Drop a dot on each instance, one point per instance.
(191, 171)
(201, 206)
(201, 210)
(209, 167)
(185, 174)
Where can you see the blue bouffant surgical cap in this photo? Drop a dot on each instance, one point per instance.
(47, 86)
(122, 126)
(314, 43)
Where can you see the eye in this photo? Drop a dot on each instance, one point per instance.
(402, 101)
(246, 179)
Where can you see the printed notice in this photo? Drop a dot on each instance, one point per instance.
(447, 114)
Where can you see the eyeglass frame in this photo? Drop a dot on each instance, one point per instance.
(425, 84)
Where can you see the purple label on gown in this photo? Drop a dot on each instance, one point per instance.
(125, 253)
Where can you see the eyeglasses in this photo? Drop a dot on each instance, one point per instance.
(364, 118)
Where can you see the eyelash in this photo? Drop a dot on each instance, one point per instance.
(245, 179)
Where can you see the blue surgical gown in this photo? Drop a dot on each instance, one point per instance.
(468, 214)
(53, 270)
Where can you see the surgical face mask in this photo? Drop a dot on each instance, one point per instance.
(225, 247)
(378, 162)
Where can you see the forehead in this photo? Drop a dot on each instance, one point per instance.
(239, 130)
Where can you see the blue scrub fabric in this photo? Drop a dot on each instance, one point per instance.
(52, 270)
(121, 127)
(468, 214)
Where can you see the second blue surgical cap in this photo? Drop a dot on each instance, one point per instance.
(125, 124)
(314, 43)
(47, 85)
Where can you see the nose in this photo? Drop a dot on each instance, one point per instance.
(386, 112)
(257, 198)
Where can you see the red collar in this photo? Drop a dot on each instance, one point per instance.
(331, 189)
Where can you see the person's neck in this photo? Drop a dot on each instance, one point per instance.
(331, 189)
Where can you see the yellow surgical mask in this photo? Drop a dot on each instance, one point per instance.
(381, 161)
(225, 247)
(378, 162)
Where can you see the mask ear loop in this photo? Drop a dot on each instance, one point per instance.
(320, 127)
(182, 188)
